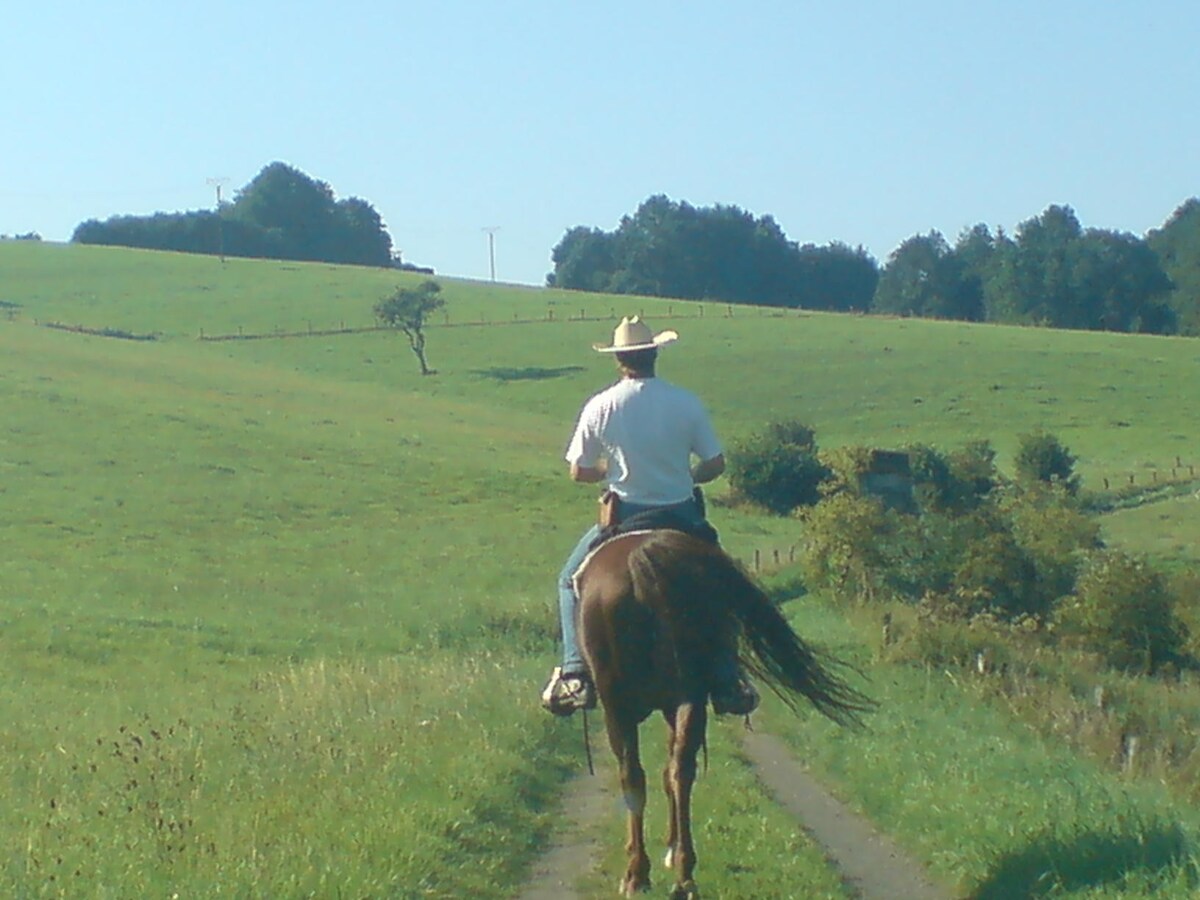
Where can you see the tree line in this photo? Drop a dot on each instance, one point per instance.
(1050, 271)
(281, 214)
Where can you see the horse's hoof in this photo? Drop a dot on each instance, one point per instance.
(686, 891)
(631, 887)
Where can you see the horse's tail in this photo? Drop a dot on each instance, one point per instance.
(704, 587)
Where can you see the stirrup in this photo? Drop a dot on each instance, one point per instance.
(566, 693)
(737, 699)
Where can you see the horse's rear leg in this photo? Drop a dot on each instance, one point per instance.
(687, 736)
(669, 790)
(623, 738)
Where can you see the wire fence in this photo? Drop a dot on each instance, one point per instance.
(485, 320)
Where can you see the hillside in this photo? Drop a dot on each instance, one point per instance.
(1122, 403)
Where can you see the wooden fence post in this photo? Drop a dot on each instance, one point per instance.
(1131, 749)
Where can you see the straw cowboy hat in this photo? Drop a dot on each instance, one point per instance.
(634, 334)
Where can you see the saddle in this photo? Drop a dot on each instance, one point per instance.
(613, 523)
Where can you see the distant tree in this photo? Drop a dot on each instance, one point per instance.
(283, 200)
(1177, 245)
(583, 260)
(924, 277)
(281, 214)
(673, 249)
(1055, 273)
(1119, 285)
(835, 277)
(356, 235)
(409, 309)
(975, 253)
(1031, 283)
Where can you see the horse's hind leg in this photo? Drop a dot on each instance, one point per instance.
(687, 737)
(623, 738)
(669, 790)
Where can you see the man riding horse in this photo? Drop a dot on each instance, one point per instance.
(639, 437)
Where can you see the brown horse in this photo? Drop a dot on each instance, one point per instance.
(656, 609)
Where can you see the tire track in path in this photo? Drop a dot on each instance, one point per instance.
(575, 847)
(873, 866)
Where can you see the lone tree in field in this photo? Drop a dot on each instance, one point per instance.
(409, 310)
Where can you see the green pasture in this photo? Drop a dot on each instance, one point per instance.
(274, 614)
(1166, 530)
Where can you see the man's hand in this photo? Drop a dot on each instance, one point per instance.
(588, 474)
(705, 471)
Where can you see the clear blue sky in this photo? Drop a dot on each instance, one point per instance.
(859, 122)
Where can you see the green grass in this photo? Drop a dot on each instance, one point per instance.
(991, 806)
(332, 578)
(1165, 530)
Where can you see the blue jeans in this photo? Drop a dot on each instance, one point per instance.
(572, 659)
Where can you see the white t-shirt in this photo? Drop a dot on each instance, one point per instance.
(648, 430)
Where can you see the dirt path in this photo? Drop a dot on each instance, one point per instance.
(873, 867)
(586, 800)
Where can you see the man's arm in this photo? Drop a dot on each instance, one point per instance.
(706, 470)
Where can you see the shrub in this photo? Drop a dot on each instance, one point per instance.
(1048, 524)
(850, 546)
(973, 471)
(996, 575)
(1123, 610)
(944, 639)
(778, 468)
(933, 484)
(1042, 458)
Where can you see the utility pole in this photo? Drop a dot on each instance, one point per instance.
(491, 233)
(218, 183)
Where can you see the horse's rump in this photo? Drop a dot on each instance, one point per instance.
(661, 609)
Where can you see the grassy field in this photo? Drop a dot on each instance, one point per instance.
(274, 613)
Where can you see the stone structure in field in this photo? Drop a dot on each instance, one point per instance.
(889, 477)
